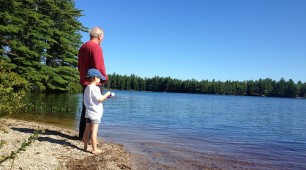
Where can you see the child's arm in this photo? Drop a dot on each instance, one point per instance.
(104, 96)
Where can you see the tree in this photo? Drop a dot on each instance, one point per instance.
(250, 89)
(41, 38)
(142, 84)
(279, 88)
(301, 89)
(240, 88)
(63, 50)
(290, 90)
(134, 82)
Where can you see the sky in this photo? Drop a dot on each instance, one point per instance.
(234, 40)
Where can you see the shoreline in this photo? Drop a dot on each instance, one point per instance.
(55, 148)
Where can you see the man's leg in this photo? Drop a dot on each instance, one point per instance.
(86, 135)
(82, 124)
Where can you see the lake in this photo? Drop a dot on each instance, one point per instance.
(196, 131)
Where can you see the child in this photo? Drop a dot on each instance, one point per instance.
(94, 108)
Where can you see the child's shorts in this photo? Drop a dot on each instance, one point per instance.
(93, 121)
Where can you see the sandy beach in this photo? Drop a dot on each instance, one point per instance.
(55, 148)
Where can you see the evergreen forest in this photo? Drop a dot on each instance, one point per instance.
(261, 87)
(39, 42)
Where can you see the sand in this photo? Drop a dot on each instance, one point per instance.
(56, 148)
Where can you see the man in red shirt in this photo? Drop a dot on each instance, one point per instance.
(90, 56)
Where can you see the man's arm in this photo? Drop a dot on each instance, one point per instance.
(98, 61)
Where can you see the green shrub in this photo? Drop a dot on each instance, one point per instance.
(12, 90)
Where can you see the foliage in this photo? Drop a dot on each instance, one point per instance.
(39, 40)
(2, 143)
(12, 87)
(43, 106)
(261, 87)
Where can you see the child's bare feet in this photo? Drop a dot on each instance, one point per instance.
(96, 151)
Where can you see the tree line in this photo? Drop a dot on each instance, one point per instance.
(261, 87)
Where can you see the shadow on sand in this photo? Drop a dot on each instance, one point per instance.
(48, 133)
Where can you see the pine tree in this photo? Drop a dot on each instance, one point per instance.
(40, 39)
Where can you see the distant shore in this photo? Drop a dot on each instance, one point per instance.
(55, 148)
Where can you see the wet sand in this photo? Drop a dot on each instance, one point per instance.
(157, 156)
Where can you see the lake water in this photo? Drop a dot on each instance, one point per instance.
(196, 131)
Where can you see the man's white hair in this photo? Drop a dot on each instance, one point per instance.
(95, 32)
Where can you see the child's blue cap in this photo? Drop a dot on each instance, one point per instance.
(95, 73)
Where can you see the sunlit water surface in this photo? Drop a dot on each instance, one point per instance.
(193, 131)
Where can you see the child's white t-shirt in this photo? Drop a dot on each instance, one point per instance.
(94, 108)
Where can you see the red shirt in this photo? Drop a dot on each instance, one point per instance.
(90, 56)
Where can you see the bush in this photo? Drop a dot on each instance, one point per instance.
(12, 90)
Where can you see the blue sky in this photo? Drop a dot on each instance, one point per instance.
(201, 39)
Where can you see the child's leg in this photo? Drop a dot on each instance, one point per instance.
(94, 138)
(86, 135)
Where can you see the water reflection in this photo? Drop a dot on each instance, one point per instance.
(58, 109)
(195, 131)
